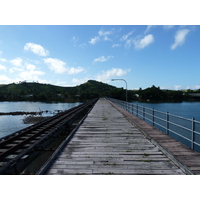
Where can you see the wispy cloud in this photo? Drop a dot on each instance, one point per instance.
(3, 68)
(116, 45)
(105, 76)
(94, 40)
(102, 35)
(36, 49)
(168, 27)
(144, 42)
(75, 40)
(127, 39)
(82, 45)
(102, 59)
(149, 27)
(126, 36)
(180, 38)
(138, 42)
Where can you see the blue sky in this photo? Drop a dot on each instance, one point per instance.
(65, 55)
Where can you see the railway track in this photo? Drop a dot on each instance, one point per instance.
(22, 148)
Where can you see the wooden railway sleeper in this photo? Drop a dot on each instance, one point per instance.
(66, 116)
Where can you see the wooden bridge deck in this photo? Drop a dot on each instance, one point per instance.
(107, 143)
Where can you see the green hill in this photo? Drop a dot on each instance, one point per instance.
(91, 89)
(45, 92)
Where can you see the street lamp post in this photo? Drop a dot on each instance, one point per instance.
(125, 82)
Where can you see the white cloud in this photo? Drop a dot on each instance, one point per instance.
(21, 65)
(17, 62)
(36, 49)
(56, 65)
(73, 70)
(3, 60)
(144, 42)
(25, 70)
(196, 87)
(59, 67)
(94, 40)
(105, 76)
(79, 81)
(177, 87)
(4, 79)
(30, 67)
(2, 67)
(102, 59)
(31, 75)
(11, 70)
(180, 38)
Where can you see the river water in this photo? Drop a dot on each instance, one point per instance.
(183, 109)
(10, 124)
(180, 127)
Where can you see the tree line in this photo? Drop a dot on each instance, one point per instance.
(24, 91)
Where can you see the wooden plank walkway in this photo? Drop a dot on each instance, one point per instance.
(107, 143)
(186, 158)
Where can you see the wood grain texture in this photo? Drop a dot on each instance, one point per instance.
(108, 144)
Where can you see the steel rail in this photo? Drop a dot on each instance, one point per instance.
(41, 131)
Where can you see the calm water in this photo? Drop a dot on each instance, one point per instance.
(9, 124)
(187, 110)
(184, 109)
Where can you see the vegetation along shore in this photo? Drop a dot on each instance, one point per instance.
(25, 91)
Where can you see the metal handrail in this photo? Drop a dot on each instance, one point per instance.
(164, 122)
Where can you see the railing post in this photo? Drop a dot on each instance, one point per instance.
(132, 109)
(143, 113)
(167, 123)
(193, 129)
(137, 110)
(153, 117)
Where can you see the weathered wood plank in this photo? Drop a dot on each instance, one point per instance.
(107, 143)
(136, 166)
